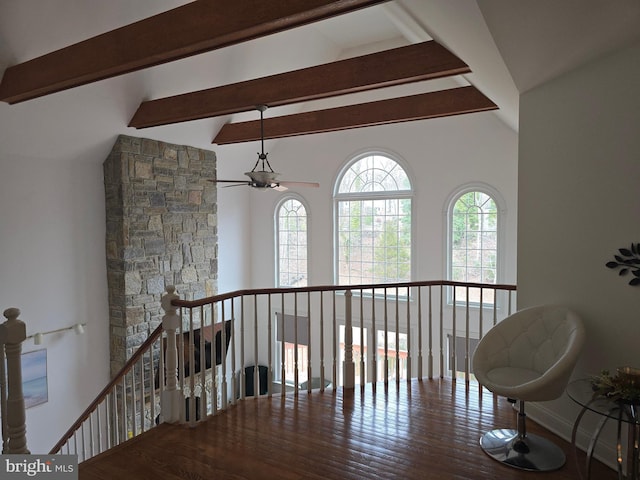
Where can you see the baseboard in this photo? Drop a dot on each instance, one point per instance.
(606, 451)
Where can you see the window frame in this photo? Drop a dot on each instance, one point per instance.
(376, 195)
(501, 212)
(276, 220)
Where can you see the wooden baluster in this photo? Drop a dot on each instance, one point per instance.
(467, 359)
(283, 364)
(349, 366)
(12, 333)
(113, 425)
(152, 376)
(430, 335)
(454, 331)
(441, 333)
(363, 379)
(309, 342)
(243, 372)
(373, 376)
(334, 342)
(99, 427)
(83, 457)
(409, 352)
(213, 353)
(420, 332)
(270, 347)
(234, 379)
(172, 400)
(296, 366)
(397, 328)
(190, 352)
(386, 340)
(3, 395)
(143, 399)
(481, 327)
(322, 342)
(256, 335)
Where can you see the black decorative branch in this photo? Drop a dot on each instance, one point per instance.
(628, 261)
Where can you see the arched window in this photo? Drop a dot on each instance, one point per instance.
(373, 221)
(291, 243)
(473, 253)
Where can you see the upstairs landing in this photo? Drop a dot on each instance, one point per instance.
(425, 429)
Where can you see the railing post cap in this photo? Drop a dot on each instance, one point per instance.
(14, 330)
(168, 298)
(11, 313)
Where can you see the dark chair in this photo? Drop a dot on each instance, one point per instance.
(208, 336)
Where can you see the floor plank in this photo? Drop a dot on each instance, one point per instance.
(417, 430)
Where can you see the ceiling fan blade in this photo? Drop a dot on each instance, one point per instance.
(280, 188)
(244, 182)
(299, 184)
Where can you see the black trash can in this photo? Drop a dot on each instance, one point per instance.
(263, 375)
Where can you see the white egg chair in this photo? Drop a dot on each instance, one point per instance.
(528, 357)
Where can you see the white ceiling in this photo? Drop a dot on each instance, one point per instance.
(510, 45)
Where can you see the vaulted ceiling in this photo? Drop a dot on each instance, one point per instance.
(186, 71)
(206, 25)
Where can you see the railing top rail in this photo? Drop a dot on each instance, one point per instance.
(105, 391)
(145, 346)
(334, 288)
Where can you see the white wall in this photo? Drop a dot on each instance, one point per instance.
(234, 231)
(579, 173)
(441, 155)
(52, 267)
(52, 234)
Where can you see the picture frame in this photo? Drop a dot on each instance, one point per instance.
(34, 378)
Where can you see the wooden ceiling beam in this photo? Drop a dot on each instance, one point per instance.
(197, 27)
(418, 62)
(455, 101)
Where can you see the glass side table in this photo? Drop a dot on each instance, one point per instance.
(580, 391)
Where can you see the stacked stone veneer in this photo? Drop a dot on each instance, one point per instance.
(161, 230)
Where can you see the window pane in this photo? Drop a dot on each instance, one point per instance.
(374, 234)
(374, 173)
(473, 242)
(292, 244)
(374, 241)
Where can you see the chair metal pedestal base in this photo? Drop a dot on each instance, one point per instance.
(532, 452)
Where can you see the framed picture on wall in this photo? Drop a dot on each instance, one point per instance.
(34, 378)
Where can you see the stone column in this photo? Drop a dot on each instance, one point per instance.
(161, 230)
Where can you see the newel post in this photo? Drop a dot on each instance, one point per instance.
(12, 333)
(172, 400)
(349, 366)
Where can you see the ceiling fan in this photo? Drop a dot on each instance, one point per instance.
(264, 179)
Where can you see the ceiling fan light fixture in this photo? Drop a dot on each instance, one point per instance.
(265, 178)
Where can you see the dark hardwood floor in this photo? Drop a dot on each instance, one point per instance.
(426, 429)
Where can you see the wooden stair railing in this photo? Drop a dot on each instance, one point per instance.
(148, 389)
(110, 389)
(287, 340)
